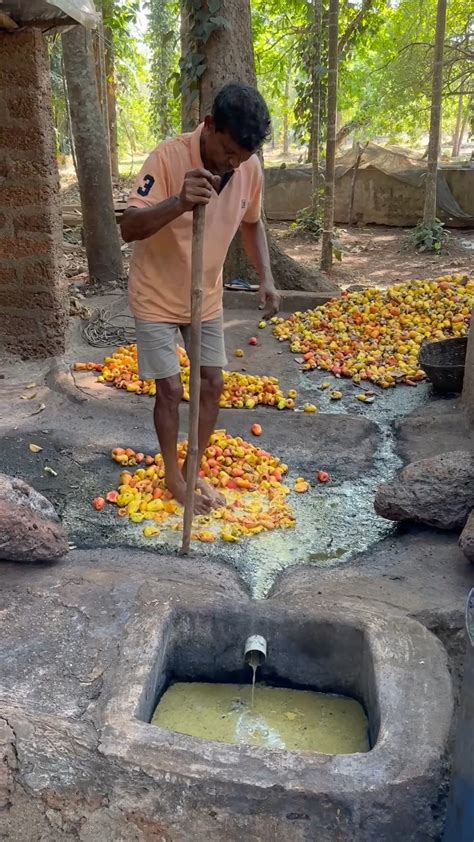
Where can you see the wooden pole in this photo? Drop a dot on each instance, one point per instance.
(195, 373)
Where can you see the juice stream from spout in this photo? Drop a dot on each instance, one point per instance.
(254, 662)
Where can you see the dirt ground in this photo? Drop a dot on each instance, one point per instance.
(371, 256)
(380, 256)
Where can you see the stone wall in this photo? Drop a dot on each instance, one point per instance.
(32, 304)
(378, 198)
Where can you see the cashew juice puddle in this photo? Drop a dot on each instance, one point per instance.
(279, 718)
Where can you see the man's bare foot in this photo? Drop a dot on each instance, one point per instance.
(202, 504)
(212, 494)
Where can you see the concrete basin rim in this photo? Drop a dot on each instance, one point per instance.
(414, 678)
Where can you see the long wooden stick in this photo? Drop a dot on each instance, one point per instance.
(195, 373)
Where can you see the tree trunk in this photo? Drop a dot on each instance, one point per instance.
(316, 106)
(111, 84)
(286, 139)
(105, 73)
(104, 256)
(189, 99)
(457, 138)
(328, 222)
(347, 129)
(99, 59)
(463, 127)
(429, 214)
(229, 57)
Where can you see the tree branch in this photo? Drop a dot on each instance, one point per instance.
(353, 30)
(357, 122)
(399, 53)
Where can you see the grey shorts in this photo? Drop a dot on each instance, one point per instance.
(156, 344)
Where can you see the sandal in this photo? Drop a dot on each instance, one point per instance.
(241, 285)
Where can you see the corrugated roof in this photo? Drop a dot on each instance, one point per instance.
(50, 14)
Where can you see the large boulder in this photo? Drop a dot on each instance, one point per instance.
(30, 529)
(438, 491)
(466, 541)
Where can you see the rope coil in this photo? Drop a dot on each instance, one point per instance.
(100, 330)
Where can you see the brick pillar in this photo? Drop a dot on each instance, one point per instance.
(33, 316)
(468, 390)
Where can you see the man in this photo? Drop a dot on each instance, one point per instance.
(215, 166)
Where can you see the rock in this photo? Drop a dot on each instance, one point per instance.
(30, 529)
(356, 288)
(438, 491)
(466, 541)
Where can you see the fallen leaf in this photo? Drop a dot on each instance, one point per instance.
(40, 409)
(50, 471)
(35, 448)
(28, 397)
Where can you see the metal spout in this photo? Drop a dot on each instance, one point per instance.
(255, 649)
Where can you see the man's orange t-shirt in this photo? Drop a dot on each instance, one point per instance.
(160, 269)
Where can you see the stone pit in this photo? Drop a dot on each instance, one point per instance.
(392, 665)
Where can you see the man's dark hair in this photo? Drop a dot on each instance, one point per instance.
(242, 112)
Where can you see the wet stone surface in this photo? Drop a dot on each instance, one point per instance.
(348, 448)
(360, 445)
(64, 627)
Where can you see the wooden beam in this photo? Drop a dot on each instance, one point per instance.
(48, 23)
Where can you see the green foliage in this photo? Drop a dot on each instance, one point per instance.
(358, 24)
(388, 76)
(278, 30)
(203, 19)
(384, 71)
(307, 223)
(429, 237)
(134, 134)
(163, 39)
(131, 71)
(386, 52)
(119, 16)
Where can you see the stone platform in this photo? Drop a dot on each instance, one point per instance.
(66, 628)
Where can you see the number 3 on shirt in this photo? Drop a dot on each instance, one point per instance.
(148, 183)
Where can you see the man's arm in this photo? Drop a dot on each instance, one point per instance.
(140, 223)
(255, 244)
